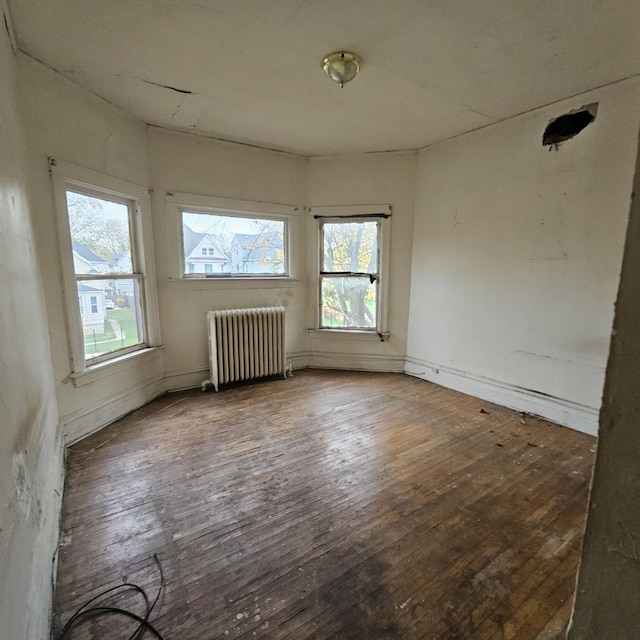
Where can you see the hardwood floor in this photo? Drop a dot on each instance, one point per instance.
(329, 505)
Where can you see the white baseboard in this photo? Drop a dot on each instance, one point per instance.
(80, 424)
(298, 359)
(558, 410)
(355, 362)
(185, 379)
(192, 379)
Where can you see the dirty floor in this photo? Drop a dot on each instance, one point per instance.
(328, 505)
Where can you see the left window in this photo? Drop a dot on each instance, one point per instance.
(105, 274)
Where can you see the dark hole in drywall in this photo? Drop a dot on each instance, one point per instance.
(569, 125)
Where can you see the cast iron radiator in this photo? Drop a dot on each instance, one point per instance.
(246, 344)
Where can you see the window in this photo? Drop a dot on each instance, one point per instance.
(241, 244)
(101, 223)
(352, 267)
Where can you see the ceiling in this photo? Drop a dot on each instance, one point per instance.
(249, 70)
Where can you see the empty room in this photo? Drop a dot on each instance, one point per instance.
(319, 320)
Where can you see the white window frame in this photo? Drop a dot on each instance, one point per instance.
(381, 213)
(180, 203)
(70, 177)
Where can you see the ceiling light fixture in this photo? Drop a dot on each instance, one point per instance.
(341, 66)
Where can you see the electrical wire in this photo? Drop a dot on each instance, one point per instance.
(144, 625)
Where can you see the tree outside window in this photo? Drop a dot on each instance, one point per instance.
(349, 274)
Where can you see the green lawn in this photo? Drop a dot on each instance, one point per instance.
(330, 320)
(107, 342)
(127, 320)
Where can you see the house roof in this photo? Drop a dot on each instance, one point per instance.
(257, 246)
(85, 288)
(191, 239)
(120, 258)
(86, 254)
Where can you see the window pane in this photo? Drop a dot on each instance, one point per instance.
(348, 302)
(99, 233)
(110, 314)
(350, 246)
(232, 245)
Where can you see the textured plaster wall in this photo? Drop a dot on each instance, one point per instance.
(70, 124)
(516, 258)
(362, 179)
(30, 451)
(203, 167)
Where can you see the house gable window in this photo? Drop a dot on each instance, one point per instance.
(352, 271)
(105, 262)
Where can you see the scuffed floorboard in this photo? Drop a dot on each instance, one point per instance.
(330, 505)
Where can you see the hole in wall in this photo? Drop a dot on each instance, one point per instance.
(569, 125)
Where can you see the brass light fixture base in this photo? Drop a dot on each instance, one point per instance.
(341, 66)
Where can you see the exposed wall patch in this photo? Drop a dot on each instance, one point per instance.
(569, 125)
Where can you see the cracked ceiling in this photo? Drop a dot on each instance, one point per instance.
(249, 70)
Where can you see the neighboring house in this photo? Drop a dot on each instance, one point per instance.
(91, 297)
(202, 253)
(121, 263)
(257, 253)
(85, 261)
(92, 310)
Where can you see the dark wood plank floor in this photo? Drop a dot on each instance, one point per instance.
(329, 505)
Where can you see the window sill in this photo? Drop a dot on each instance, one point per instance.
(256, 282)
(350, 334)
(114, 366)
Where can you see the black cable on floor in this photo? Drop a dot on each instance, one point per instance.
(144, 625)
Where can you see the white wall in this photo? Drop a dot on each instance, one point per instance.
(30, 451)
(516, 258)
(68, 123)
(384, 178)
(205, 167)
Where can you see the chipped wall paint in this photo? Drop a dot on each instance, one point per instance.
(67, 122)
(205, 167)
(362, 179)
(516, 257)
(30, 451)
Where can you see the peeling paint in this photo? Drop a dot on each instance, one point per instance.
(21, 482)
